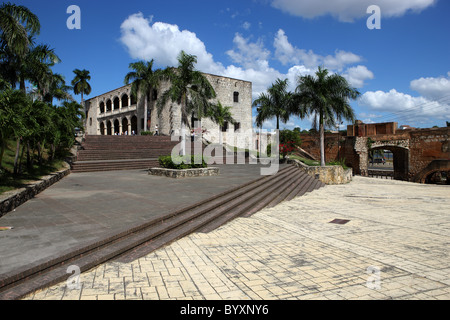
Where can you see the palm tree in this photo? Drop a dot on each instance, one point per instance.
(36, 67)
(277, 102)
(326, 97)
(190, 89)
(17, 23)
(81, 85)
(144, 81)
(220, 115)
(58, 89)
(14, 105)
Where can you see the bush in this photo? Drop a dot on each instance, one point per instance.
(182, 162)
(146, 133)
(291, 137)
(340, 162)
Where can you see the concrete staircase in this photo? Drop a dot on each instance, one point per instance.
(139, 240)
(107, 153)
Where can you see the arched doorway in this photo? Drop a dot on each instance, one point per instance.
(102, 129)
(134, 125)
(125, 126)
(116, 126)
(390, 161)
(109, 128)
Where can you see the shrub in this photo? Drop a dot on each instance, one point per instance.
(146, 133)
(290, 137)
(182, 162)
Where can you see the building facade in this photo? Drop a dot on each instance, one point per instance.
(117, 113)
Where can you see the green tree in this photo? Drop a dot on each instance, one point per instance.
(277, 102)
(144, 80)
(57, 89)
(17, 24)
(326, 97)
(14, 105)
(220, 115)
(81, 85)
(190, 89)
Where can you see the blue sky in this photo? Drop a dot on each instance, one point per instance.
(402, 70)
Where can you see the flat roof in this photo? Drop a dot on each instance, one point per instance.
(205, 73)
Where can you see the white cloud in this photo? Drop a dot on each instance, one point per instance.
(246, 25)
(357, 75)
(404, 107)
(163, 42)
(247, 54)
(432, 88)
(349, 10)
(286, 53)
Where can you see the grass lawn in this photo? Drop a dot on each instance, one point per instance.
(10, 182)
(317, 163)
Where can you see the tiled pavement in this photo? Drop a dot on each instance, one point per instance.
(395, 246)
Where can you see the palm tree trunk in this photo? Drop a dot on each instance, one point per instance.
(2, 151)
(145, 112)
(29, 164)
(183, 125)
(322, 141)
(16, 157)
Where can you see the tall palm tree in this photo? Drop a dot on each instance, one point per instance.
(326, 97)
(14, 105)
(144, 80)
(220, 115)
(81, 85)
(17, 23)
(36, 67)
(190, 89)
(277, 102)
(58, 89)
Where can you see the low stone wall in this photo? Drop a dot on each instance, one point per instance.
(12, 199)
(327, 174)
(185, 173)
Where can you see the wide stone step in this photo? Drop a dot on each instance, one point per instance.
(141, 239)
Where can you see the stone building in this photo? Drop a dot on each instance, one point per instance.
(116, 112)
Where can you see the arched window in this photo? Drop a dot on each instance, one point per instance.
(236, 96)
(124, 101)
(116, 103)
(102, 107)
(108, 106)
(133, 100)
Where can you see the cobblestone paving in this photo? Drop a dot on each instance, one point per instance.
(395, 246)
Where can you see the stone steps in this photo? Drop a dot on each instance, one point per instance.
(108, 153)
(139, 240)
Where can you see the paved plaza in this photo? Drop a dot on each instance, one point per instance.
(391, 243)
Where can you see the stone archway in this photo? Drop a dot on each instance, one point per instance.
(102, 129)
(108, 105)
(116, 126)
(134, 124)
(116, 103)
(399, 148)
(400, 163)
(125, 126)
(109, 128)
(125, 101)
